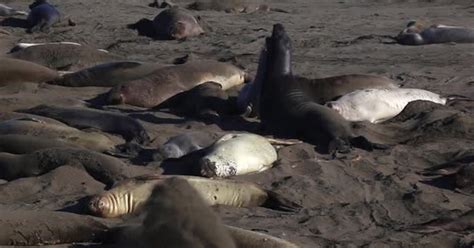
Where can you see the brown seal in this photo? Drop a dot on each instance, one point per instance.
(21, 144)
(162, 84)
(20, 71)
(176, 23)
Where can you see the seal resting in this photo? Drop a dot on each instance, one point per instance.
(162, 84)
(21, 144)
(245, 238)
(287, 110)
(20, 71)
(129, 128)
(176, 23)
(230, 6)
(42, 16)
(378, 105)
(129, 196)
(42, 227)
(238, 154)
(180, 145)
(417, 33)
(106, 75)
(458, 224)
(8, 11)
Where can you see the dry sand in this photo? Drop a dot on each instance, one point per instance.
(365, 199)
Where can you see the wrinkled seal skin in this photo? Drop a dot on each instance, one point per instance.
(164, 83)
(42, 227)
(176, 23)
(417, 34)
(287, 110)
(42, 16)
(107, 75)
(20, 71)
(129, 196)
(105, 121)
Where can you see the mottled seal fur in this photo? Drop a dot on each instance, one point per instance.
(417, 34)
(166, 82)
(286, 109)
(42, 16)
(129, 128)
(238, 154)
(131, 195)
(9, 11)
(378, 105)
(20, 71)
(176, 23)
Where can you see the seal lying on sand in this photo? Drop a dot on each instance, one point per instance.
(21, 144)
(64, 56)
(40, 227)
(166, 82)
(176, 23)
(378, 105)
(234, 6)
(42, 16)
(58, 132)
(185, 143)
(245, 238)
(20, 71)
(287, 110)
(462, 223)
(129, 128)
(130, 195)
(107, 75)
(8, 11)
(238, 154)
(106, 169)
(417, 34)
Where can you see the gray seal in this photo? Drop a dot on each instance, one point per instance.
(42, 16)
(183, 144)
(416, 33)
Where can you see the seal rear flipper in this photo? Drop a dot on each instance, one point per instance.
(363, 143)
(279, 202)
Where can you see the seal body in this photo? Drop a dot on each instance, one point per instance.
(378, 105)
(417, 34)
(107, 75)
(130, 195)
(183, 144)
(129, 128)
(42, 16)
(238, 154)
(8, 11)
(176, 23)
(166, 82)
(21, 144)
(246, 238)
(20, 71)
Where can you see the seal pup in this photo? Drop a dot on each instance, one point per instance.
(129, 128)
(14, 71)
(287, 110)
(180, 145)
(130, 195)
(64, 56)
(416, 33)
(378, 105)
(40, 227)
(42, 16)
(48, 131)
(174, 217)
(238, 154)
(162, 84)
(107, 74)
(176, 23)
(8, 11)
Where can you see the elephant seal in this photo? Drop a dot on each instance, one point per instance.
(44, 227)
(378, 105)
(238, 154)
(245, 238)
(185, 143)
(129, 128)
(64, 56)
(176, 23)
(20, 71)
(8, 11)
(130, 195)
(36, 128)
(42, 16)
(287, 110)
(107, 75)
(458, 224)
(417, 33)
(24, 45)
(166, 82)
(230, 6)
(106, 169)
(21, 144)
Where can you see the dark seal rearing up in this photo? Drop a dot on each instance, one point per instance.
(287, 110)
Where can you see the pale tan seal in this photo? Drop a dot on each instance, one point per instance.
(166, 82)
(130, 195)
(20, 71)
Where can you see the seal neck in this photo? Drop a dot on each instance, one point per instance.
(278, 62)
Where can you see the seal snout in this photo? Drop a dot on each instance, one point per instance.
(96, 205)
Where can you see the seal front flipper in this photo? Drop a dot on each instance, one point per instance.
(279, 202)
